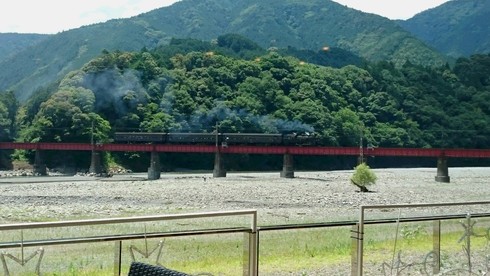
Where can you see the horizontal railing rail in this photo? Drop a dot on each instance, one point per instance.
(126, 237)
(70, 223)
(374, 221)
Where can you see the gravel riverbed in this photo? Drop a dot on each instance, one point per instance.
(310, 196)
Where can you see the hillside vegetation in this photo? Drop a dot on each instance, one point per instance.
(13, 43)
(304, 25)
(177, 90)
(456, 28)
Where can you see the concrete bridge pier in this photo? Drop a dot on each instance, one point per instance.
(39, 167)
(219, 166)
(442, 170)
(95, 163)
(155, 167)
(287, 166)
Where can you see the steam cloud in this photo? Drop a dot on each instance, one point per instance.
(122, 91)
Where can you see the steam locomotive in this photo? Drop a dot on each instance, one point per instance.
(299, 138)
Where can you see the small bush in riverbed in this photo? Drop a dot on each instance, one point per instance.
(363, 177)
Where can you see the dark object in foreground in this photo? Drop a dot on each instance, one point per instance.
(142, 269)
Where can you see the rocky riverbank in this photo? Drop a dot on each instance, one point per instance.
(310, 196)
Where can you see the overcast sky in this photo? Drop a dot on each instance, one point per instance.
(52, 16)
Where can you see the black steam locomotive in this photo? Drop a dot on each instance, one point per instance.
(300, 138)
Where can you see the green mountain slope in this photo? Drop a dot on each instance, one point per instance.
(12, 43)
(308, 25)
(456, 28)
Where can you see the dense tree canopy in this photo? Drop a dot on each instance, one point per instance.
(192, 91)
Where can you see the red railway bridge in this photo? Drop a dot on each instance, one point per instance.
(219, 169)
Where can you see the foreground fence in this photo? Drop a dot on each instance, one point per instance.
(454, 243)
(121, 233)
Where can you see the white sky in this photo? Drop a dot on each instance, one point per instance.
(52, 16)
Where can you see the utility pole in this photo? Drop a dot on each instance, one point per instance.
(92, 135)
(217, 135)
(361, 151)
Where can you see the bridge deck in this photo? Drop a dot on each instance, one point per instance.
(239, 149)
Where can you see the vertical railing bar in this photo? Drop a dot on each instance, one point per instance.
(258, 252)
(360, 243)
(436, 246)
(117, 258)
(354, 248)
(246, 254)
(468, 241)
(253, 247)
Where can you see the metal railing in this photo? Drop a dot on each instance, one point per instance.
(251, 242)
(250, 267)
(358, 231)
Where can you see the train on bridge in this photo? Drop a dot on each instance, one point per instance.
(223, 139)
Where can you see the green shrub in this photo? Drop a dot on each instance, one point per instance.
(363, 177)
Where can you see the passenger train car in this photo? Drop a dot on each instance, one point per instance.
(302, 138)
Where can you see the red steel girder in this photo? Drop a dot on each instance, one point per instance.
(237, 149)
(415, 152)
(46, 146)
(467, 153)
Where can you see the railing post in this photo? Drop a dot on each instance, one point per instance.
(360, 243)
(354, 235)
(250, 254)
(469, 229)
(436, 246)
(251, 249)
(117, 257)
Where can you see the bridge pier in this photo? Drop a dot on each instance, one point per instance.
(155, 168)
(219, 166)
(442, 170)
(287, 166)
(95, 163)
(39, 167)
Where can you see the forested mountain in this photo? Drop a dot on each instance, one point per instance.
(305, 25)
(13, 43)
(191, 85)
(456, 28)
